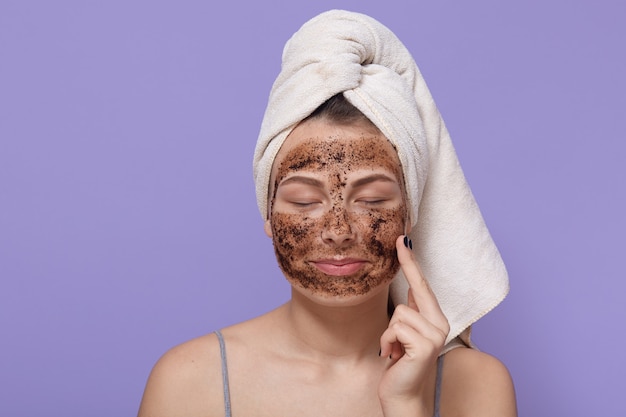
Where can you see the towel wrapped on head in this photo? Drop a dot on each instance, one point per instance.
(341, 52)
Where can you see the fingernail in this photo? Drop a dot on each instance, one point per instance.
(406, 241)
(380, 351)
(410, 244)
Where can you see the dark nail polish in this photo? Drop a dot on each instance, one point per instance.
(410, 244)
(380, 351)
(406, 241)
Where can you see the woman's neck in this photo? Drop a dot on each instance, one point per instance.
(349, 332)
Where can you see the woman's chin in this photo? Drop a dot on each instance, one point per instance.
(340, 295)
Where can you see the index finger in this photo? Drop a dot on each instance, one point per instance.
(418, 286)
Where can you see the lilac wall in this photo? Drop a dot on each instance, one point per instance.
(127, 214)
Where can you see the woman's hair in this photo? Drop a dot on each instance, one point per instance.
(338, 110)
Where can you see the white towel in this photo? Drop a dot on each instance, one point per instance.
(350, 53)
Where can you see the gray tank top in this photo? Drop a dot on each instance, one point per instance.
(225, 383)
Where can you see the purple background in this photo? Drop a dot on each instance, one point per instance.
(128, 221)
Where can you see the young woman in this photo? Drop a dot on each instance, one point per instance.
(348, 177)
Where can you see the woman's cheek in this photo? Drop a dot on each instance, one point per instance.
(384, 224)
(293, 237)
(380, 234)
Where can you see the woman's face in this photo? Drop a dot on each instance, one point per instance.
(336, 209)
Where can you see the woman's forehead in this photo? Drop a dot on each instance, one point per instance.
(320, 145)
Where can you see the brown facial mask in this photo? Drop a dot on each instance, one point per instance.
(343, 227)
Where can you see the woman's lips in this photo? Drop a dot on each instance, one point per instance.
(338, 267)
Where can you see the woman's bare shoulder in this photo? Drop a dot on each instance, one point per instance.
(476, 384)
(186, 380)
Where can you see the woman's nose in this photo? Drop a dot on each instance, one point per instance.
(338, 228)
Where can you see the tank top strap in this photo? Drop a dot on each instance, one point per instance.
(225, 383)
(438, 385)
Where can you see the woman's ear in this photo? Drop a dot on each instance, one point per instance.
(267, 226)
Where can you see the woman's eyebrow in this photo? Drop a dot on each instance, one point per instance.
(299, 179)
(372, 178)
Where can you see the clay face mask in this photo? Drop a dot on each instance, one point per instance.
(337, 209)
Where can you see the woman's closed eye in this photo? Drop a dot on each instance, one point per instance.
(300, 197)
(378, 195)
(304, 203)
(372, 201)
